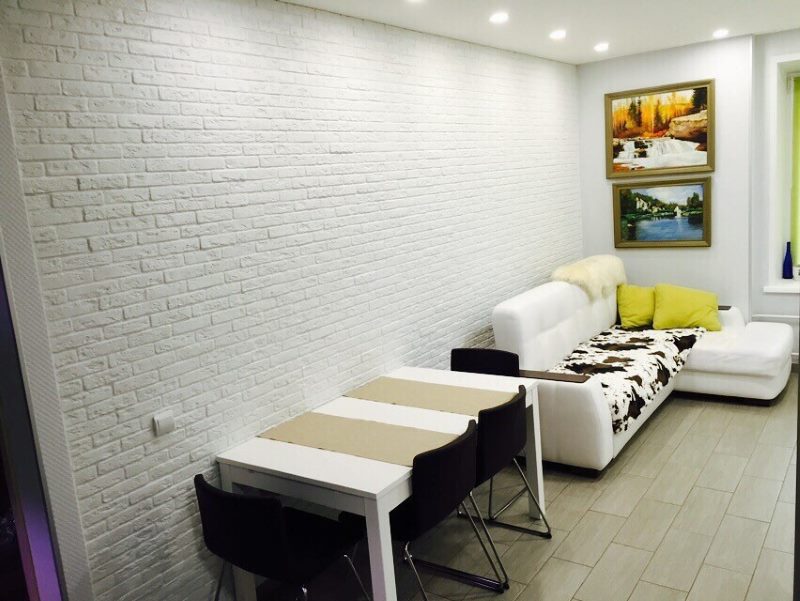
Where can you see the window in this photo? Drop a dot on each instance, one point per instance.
(795, 194)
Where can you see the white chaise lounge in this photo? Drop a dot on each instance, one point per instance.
(545, 324)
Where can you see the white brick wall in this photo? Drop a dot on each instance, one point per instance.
(241, 209)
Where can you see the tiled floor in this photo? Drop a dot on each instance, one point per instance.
(698, 507)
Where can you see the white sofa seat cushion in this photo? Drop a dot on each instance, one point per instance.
(755, 349)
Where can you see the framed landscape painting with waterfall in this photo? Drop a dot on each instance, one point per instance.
(663, 130)
(663, 213)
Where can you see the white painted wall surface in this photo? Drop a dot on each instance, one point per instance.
(242, 209)
(724, 267)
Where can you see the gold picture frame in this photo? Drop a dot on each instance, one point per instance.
(663, 213)
(660, 130)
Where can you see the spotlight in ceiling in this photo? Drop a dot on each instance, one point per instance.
(720, 33)
(601, 47)
(558, 34)
(499, 17)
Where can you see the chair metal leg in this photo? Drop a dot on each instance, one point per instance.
(355, 573)
(219, 580)
(548, 533)
(483, 545)
(492, 520)
(407, 556)
(458, 575)
(506, 579)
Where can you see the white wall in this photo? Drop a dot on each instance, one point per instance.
(723, 267)
(770, 226)
(242, 209)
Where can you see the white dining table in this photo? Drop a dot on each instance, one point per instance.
(365, 486)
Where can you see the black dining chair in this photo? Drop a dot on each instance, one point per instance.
(441, 480)
(259, 535)
(501, 431)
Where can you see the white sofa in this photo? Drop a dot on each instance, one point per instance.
(544, 325)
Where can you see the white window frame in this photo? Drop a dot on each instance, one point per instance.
(778, 154)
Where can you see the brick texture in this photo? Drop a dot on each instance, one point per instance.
(241, 209)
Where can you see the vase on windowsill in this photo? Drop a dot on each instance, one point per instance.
(788, 264)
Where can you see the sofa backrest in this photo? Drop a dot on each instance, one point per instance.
(545, 324)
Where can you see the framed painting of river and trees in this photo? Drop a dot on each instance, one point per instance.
(663, 213)
(663, 130)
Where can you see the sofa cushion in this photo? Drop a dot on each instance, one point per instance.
(679, 307)
(757, 349)
(632, 367)
(636, 305)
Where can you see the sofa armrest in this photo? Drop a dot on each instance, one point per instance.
(555, 377)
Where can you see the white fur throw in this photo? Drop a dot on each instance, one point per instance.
(598, 275)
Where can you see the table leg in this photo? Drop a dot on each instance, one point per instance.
(244, 582)
(381, 556)
(533, 455)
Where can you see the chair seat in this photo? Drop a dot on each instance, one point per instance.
(315, 542)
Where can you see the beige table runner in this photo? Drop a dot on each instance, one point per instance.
(362, 438)
(425, 395)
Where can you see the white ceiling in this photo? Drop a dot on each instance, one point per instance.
(629, 26)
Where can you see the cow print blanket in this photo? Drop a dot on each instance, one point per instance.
(632, 366)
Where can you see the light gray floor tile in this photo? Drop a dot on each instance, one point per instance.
(694, 450)
(677, 560)
(649, 459)
(712, 421)
(558, 580)
(647, 525)
(621, 497)
(738, 440)
(673, 484)
(702, 511)
(647, 591)
(722, 472)
(779, 430)
(718, 584)
(570, 506)
(589, 539)
(755, 498)
(615, 575)
(769, 461)
(673, 425)
(753, 418)
(780, 536)
(772, 580)
(788, 490)
(527, 556)
(737, 544)
(513, 593)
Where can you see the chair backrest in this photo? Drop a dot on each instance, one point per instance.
(245, 530)
(485, 361)
(501, 436)
(545, 324)
(442, 478)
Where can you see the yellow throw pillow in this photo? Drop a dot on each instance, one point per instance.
(635, 305)
(678, 307)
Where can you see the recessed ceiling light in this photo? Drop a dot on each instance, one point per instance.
(720, 33)
(601, 47)
(558, 34)
(499, 17)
